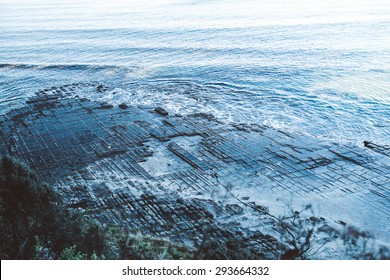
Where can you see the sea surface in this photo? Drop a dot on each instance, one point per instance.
(318, 67)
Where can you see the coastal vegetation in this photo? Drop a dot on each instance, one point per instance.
(35, 224)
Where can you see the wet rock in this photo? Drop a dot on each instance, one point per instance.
(258, 208)
(341, 223)
(123, 106)
(382, 149)
(367, 144)
(241, 127)
(161, 111)
(99, 160)
(315, 219)
(101, 88)
(105, 105)
(109, 152)
(184, 155)
(206, 116)
(327, 229)
(234, 209)
(80, 204)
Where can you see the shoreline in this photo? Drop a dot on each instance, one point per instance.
(187, 177)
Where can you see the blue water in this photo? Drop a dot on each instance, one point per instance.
(320, 68)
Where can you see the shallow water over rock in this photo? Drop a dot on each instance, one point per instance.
(187, 177)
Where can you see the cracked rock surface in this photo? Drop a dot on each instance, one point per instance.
(186, 177)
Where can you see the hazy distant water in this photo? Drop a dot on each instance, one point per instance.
(318, 67)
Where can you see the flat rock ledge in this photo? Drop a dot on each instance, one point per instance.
(187, 178)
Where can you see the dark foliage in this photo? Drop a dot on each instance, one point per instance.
(31, 211)
(34, 224)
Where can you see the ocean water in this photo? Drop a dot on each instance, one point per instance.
(320, 68)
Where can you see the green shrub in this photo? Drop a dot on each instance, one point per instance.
(34, 224)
